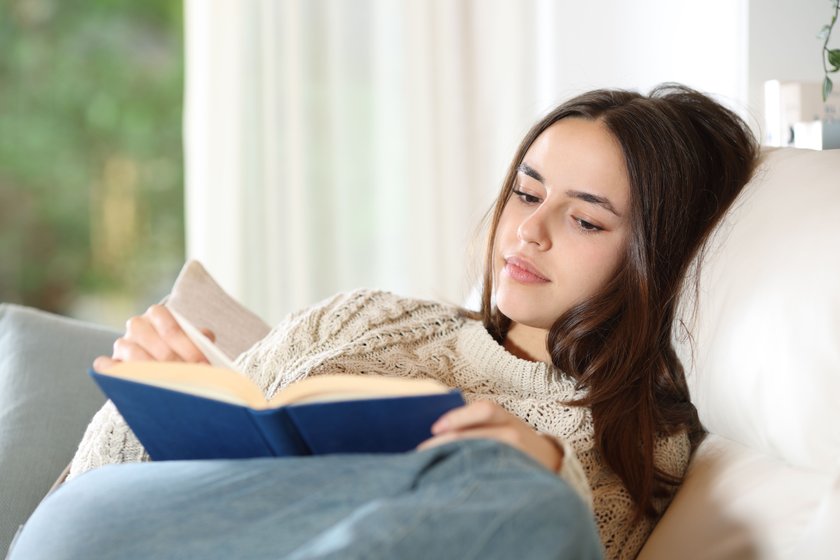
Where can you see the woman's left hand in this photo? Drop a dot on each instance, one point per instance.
(488, 420)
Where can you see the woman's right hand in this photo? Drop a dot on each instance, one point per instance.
(153, 336)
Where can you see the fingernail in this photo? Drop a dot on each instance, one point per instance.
(440, 426)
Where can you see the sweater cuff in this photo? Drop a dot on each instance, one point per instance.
(572, 471)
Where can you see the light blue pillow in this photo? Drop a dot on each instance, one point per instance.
(46, 401)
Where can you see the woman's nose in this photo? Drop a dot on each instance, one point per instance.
(534, 229)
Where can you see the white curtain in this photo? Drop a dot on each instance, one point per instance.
(334, 144)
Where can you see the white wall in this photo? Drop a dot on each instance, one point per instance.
(728, 47)
(615, 43)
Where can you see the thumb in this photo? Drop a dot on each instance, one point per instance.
(209, 334)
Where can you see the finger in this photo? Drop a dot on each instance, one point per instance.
(533, 445)
(505, 435)
(141, 331)
(169, 330)
(102, 363)
(474, 414)
(127, 351)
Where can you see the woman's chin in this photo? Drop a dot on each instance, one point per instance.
(526, 315)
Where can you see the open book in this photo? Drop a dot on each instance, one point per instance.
(192, 411)
(198, 411)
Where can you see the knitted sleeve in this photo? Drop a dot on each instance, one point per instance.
(622, 539)
(107, 440)
(289, 352)
(573, 473)
(361, 332)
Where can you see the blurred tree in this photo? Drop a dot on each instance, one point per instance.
(91, 167)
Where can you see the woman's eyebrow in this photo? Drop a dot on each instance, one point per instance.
(530, 172)
(593, 199)
(580, 195)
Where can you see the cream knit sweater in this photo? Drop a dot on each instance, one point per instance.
(368, 332)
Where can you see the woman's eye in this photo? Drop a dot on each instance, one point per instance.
(586, 226)
(525, 197)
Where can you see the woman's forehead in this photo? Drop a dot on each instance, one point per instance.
(580, 154)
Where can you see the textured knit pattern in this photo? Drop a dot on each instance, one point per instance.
(367, 332)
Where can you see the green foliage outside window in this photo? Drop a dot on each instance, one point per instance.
(91, 166)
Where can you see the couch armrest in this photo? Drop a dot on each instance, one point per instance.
(46, 401)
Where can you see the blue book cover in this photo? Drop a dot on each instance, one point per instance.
(178, 412)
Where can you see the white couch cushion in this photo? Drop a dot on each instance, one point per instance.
(822, 537)
(763, 367)
(766, 368)
(738, 503)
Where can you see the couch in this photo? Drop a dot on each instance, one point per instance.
(763, 368)
(762, 361)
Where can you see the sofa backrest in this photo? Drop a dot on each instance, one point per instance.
(763, 367)
(766, 364)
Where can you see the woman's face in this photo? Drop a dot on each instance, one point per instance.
(564, 228)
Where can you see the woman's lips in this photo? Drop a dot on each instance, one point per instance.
(522, 271)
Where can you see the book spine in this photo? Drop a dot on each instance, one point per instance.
(279, 432)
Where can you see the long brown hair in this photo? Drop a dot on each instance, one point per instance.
(687, 158)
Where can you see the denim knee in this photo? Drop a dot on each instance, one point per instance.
(69, 521)
(545, 508)
(535, 508)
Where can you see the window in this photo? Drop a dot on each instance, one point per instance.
(91, 166)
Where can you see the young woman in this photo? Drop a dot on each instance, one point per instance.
(578, 416)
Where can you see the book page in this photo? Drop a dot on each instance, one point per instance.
(199, 297)
(212, 352)
(323, 388)
(195, 379)
(232, 387)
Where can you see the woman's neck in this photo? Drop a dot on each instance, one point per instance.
(528, 343)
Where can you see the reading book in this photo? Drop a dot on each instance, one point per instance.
(198, 411)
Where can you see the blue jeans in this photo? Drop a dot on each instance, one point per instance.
(468, 499)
